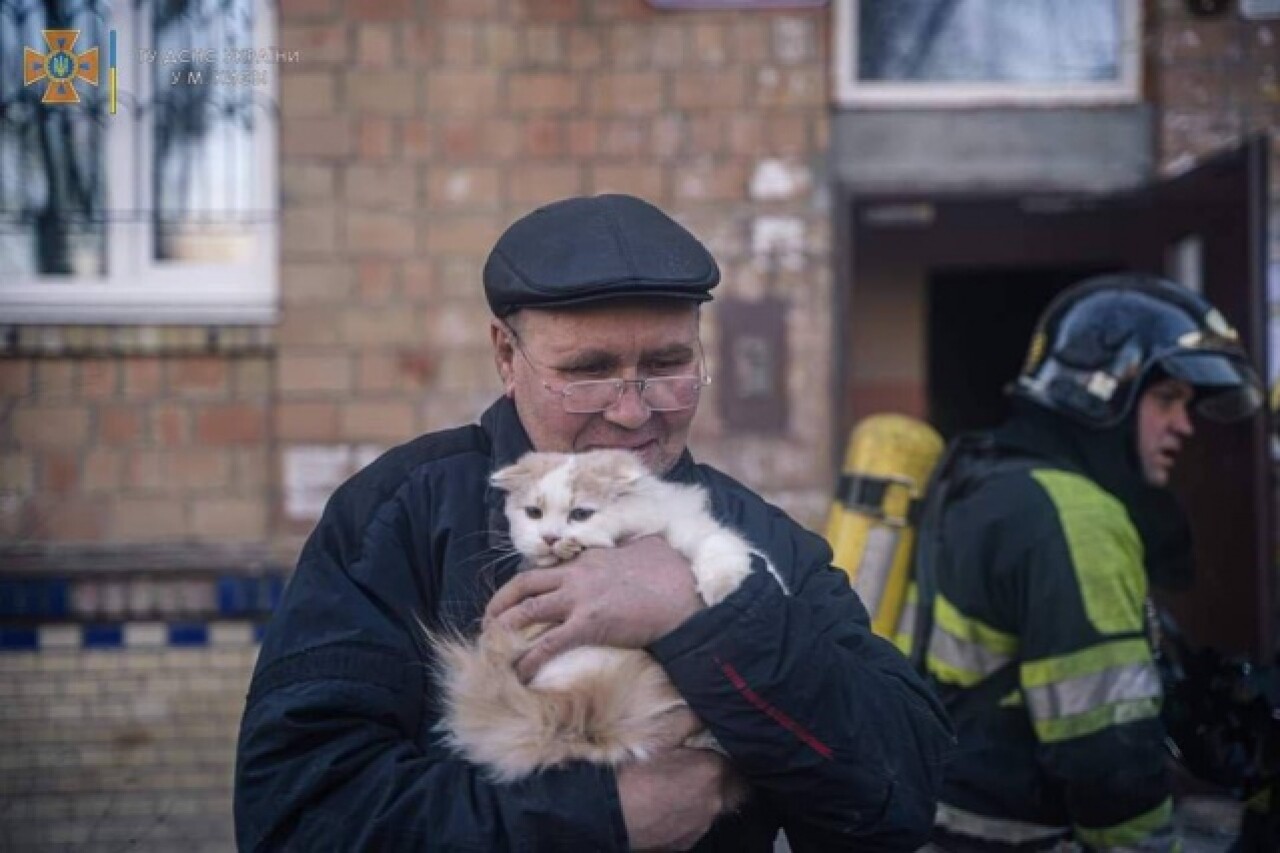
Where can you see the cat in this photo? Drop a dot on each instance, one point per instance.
(595, 704)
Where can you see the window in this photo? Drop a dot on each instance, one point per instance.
(163, 211)
(983, 52)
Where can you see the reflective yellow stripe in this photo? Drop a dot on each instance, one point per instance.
(1038, 673)
(1157, 822)
(1104, 717)
(905, 631)
(964, 651)
(1085, 692)
(972, 630)
(1105, 549)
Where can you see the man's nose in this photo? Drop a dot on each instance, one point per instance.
(1182, 423)
(630, 412)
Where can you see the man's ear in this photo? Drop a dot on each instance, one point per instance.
(504, 353)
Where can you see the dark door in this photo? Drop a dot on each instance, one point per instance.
(983, 268)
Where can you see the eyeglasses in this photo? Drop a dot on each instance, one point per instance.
(658, 393)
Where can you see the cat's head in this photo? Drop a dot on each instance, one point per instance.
(559, 503)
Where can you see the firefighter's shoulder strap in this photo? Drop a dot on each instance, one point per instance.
(968, 459)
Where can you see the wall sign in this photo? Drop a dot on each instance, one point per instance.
(752, 373)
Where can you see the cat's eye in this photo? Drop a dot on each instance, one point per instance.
(533, 512)
(581, 513)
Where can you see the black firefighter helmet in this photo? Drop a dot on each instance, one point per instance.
(1096, 344)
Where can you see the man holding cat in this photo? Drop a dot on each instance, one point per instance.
(595, 338)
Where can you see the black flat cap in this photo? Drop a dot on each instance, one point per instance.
(582, 250)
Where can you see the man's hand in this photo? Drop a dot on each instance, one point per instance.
(670, 801)
(625, 597)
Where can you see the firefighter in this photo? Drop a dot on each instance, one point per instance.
(1038, 643)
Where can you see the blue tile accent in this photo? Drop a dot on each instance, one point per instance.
(103, 636)
(231, 597)
(19, 639)
(191, 634)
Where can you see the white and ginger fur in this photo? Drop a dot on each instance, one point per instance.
(597, 704)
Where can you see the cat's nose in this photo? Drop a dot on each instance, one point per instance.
(550, 538)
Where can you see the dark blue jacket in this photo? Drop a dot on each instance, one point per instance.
(841, 741)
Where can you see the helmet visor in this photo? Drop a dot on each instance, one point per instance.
(1227, 389)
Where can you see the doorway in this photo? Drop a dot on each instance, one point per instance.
(977, 327)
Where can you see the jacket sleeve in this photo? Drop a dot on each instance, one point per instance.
(828, 722)
(336, 750)
(1091, 689)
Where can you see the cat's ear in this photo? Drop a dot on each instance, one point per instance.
(525, 471)
(622, 468)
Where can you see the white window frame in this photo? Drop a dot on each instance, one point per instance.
(850, 92)
(137, 289)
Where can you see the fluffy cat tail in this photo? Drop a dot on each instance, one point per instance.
(512, 730)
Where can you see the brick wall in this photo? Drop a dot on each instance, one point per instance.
(119, 750)
(395, 186)
(134, 449)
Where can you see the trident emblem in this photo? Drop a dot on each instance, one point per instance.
(61, 66)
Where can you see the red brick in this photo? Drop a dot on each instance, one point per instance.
(540, 183)
(462, 92)
(420, 49)
(542, 92)
(147, 471)
(310, 282)
(787, 134)
(201, 470)
(57, 426)
(307, 94)
(418, 281)
(544, 46)
(630, 46)
(142, 378)
(380, 233)
(148, 520)
(711, 180)
(309, 231)
(119, 425)
(625, 139)
(300, 10)
(16, 377)
(709, 132)
(646, 181)
(549, 10)
(459, 45)
(583, 138)
(230, 423)
(315, 137)
(307, 325)
(379, 10)
(637, 93)
(461, 235)
(475, 9)
(306, 372)
(667, 136)
(407, 369)
(375, 138)
(415, 139)
(316, 42)
(391, 421)
(61, 519)
(381, 93)
(586, 48)
(55, 379)
(235, 519)
(59, 472)
(384, 188)
(200, 376)
(377, 281)
(306, 421)
(99, 378)
(171, 425)
(102, 471)
(376, 46)
(699, 90)
(711, 43)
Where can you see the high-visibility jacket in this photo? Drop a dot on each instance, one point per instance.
(1039, 650)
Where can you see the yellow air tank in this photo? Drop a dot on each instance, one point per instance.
(871, 526)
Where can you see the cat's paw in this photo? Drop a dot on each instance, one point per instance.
(567, 549)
